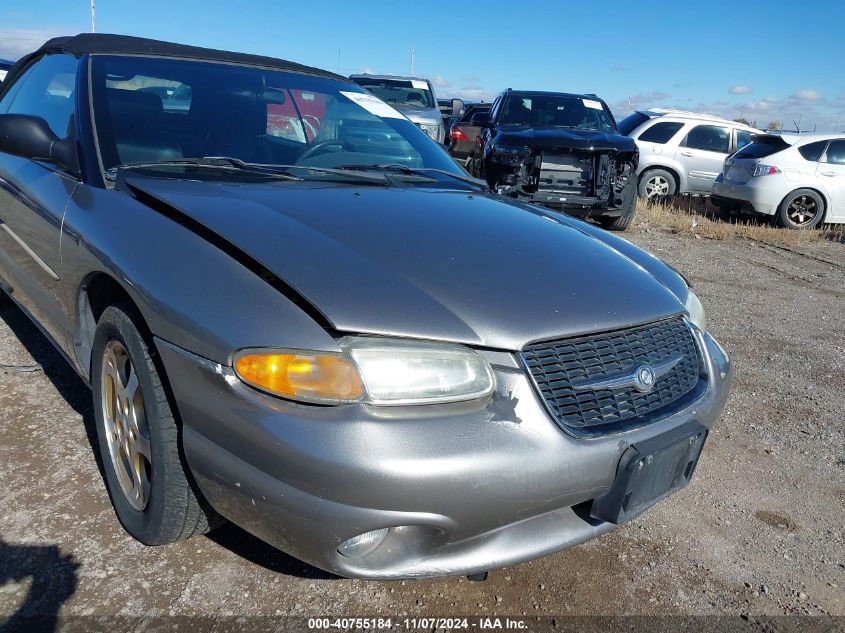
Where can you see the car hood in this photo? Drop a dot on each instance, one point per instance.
(549, 137)
(423, 263)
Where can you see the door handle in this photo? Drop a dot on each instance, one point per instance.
(828, 173)
(686, 153)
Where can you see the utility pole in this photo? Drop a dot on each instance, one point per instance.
(413, 54)
(93, 19)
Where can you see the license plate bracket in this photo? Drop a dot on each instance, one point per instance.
(649, 471)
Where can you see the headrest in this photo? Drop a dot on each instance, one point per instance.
(133, 107)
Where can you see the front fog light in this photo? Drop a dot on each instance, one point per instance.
(363, 544)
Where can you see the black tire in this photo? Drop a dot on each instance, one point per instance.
(173, 510)
(801, 209)
(621, 222)
(660, 179)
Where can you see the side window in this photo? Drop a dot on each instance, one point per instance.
(743, 138)
(497, 107)
(47, 91)
(813, 151)
(709, 138)
(13, 91)
(836, 153)
(661, 132)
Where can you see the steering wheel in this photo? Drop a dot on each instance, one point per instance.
(320, 147)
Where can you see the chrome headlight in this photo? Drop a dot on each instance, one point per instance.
(397, 372)
(378, 371)
(695, 311)
(431, 130)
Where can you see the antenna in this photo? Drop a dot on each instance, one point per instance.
(338, 61)
(413, 54)
(93, 19)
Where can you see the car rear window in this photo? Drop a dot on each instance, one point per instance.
(661, 132)
(762, 146)
(468, 114)
(812, 151)
(632, 122)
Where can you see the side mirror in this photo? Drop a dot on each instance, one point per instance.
(30, 137)
(480, 119)
(457, 107)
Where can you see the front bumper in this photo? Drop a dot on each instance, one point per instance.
(758, 195)
(465, 487)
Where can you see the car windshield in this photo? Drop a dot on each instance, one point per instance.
(411, 93)
(151, 111)
(557, 111)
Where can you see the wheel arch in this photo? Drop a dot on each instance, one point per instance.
(98, 291)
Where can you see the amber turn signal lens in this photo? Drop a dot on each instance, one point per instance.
(300, 376)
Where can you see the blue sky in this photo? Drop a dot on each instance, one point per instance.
(772, 60)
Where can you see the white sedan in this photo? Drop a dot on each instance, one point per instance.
(798, 179)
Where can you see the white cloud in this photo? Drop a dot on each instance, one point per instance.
(473, 93)
(441, 82)
(740, 89)
(16, 43)
(806, 95)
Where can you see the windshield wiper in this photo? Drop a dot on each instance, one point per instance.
(218, 162)
(394, 168)
(331, 171)
(281, 172)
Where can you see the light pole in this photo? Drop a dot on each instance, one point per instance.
(93, 19)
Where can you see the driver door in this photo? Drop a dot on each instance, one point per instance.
(35, 194)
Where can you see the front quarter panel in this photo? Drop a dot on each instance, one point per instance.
(189, 292)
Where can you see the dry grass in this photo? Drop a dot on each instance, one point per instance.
(696, 217)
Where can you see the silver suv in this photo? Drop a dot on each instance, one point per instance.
(412, 96)
(681, 152)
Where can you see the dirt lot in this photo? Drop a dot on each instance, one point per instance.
(758, 532)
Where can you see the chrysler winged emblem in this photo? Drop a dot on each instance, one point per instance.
(643, 378)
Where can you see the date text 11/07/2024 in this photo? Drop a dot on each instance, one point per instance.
(411, 624)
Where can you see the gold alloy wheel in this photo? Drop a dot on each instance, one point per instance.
(126, 430)
(802, 210)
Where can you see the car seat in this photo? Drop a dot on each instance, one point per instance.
(136, 121)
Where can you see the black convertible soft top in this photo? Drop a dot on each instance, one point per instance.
(103, 43)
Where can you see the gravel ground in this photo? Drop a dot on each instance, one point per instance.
(759, 531)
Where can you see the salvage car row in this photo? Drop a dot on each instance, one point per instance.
(545, 147)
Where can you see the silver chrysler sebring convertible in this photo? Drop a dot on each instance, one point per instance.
(296, 313)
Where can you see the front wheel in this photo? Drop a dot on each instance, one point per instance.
(801, 209)
(623, 221)
(138, 437)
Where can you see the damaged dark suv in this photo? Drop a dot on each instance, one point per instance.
(560, 150)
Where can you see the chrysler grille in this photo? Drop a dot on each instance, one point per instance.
(591, 384)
